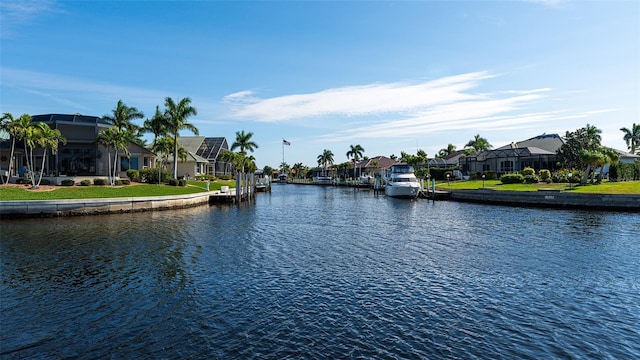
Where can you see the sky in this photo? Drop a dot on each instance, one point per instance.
(390, 76)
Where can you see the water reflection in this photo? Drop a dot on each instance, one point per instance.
(323, 272)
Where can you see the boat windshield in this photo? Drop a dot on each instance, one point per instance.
(402, 169)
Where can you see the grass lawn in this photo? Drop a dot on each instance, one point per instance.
(626, 187)
(10, 193)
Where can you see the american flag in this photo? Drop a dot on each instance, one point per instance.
(285, 142)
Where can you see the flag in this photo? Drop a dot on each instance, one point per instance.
(285, 142)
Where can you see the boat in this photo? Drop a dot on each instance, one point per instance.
(283, 179)
(323, 180)
(402, 182)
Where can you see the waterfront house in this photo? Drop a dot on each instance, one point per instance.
(204, 153)
(538, 152)
(81, 156)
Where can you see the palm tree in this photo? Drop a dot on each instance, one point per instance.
(243, 142)
(450, 149)
(122, 117)
(632, 137)
(48, 138)
(117, 139)
(479, 143)
(176, 115)
(15, 128)
(355, 152)
(157, 125)
(325, 158)
(226, 156)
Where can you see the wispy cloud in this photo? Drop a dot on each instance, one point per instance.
(72, 92)
(407, 109)
(373, 99)
(16, 13)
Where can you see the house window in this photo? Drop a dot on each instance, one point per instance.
(77, 161)
(126, 163)
(506, 166)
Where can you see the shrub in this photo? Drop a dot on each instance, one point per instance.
(226, 177)
(99, 181)
(528, 171)
(530, 179)
(562, 176)
(23, 181)
(45, 182)
(85, 182)
(133, 175)
(150, 175)
(67, 182)
(182, 182)
(172, 182)
(545, 175)
(512, 178)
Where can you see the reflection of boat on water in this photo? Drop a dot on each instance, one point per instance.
(323, 180)
(402, 182)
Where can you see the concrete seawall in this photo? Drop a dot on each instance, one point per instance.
(77, 207)
(550, 198)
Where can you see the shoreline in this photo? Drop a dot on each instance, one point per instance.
(85, 207)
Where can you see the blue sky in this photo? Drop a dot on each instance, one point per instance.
(390, 76)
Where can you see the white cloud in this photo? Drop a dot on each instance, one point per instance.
(72, 91)
(19, 13)
(373, 99)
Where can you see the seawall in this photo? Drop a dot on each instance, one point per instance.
(79, 207)
(550, 198)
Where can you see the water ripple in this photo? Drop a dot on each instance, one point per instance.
(323, 273)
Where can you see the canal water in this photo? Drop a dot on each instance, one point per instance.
(322, 272)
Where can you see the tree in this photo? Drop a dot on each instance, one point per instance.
(324, 159)
(355, 152)
(48, 138)
(586, 138)
(632, 137)
(116, 139)
(123, 116)
(479, 143)
(16, 130)
(450, 149)
(176, 115)
(243, 142)
(300, 170)
(227, 157)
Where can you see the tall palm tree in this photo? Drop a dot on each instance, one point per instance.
(15, 128)
(48, 138)
(157, 125)
(243, 142)
(123, 116)
(632, 137)
(355, 152)
(479, 143)
(324, 159)
(176, 115)
(117, 139)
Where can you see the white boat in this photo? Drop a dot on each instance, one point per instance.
(402, 182)
(324, 180)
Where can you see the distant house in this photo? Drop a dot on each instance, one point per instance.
(81, 155)
(204, 153)
(449, 161)
(375, 164)
(538, 152)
